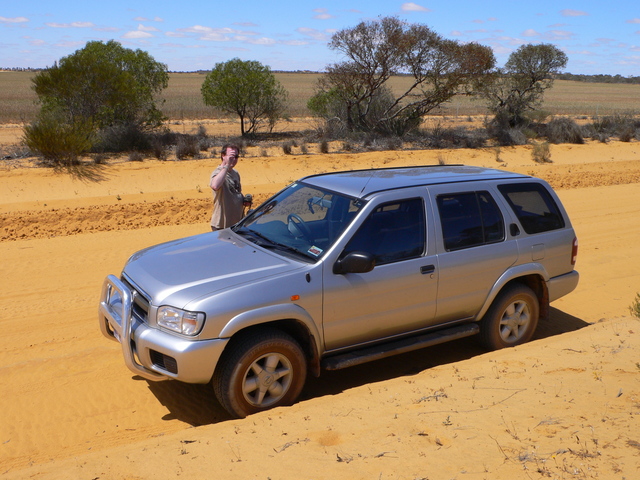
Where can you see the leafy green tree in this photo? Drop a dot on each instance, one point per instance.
(104, 84)
(247, 89)
(375, 51)
(90, 95)
(519, 87)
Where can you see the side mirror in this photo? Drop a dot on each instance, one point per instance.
(355, 262)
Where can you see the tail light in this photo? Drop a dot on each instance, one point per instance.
(574, 251)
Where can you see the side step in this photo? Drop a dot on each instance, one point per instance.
(404, 345)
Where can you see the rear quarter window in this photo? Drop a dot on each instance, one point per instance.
(469, 220)
(534, 206)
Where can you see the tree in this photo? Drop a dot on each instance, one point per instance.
(99, 93)
(520, 85)
(378, 50)
(104, 84)
(247, 89)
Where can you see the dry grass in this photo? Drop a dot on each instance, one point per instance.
(183, 101)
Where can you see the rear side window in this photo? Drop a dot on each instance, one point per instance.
(469, 220)
(534, 207)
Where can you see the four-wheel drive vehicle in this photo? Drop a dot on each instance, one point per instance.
(340, 269)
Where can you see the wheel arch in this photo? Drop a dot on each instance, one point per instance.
(533, 276)
(290, 319)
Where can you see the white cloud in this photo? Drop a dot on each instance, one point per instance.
(313, 33)
(144, 28)
(413, 7)
(71, 25)
(257, 41)
(322, 14)
(530, 32)
(567, 12)
(294, 43)
(137, 34)
(634, 20)
(559, 35)
(13, 20)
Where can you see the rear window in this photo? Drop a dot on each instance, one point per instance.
(469, 220)
(533, 205)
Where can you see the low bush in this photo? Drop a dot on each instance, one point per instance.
(123, 138)
(287, 148)
(58, 141)
(136, 157)
(541, 153)
(564, 130)
(187, 146)
(634, 309)
(625, 126)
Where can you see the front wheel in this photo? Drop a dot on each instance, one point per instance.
(262, 370)
(512, 318)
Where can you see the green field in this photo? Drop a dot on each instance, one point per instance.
(182, 99)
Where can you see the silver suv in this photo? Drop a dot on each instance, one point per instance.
(340, 269)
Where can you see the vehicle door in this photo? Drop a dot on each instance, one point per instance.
(399, 294)
(474, 248)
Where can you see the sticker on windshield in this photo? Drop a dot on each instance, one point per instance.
(315, 251)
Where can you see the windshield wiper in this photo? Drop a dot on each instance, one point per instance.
(259, 238)
(266, 242)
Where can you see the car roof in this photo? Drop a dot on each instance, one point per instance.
(362, 183)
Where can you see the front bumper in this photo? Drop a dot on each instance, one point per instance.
(149, 352)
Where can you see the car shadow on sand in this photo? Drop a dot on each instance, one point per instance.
(197, 405)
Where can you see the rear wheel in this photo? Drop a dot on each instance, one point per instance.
(512, 318)
(262, 370)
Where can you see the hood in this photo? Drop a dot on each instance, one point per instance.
(180, 271)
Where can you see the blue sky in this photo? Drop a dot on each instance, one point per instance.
(597, 36)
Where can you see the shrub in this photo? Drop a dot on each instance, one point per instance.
(136, 157)
(58, 141)
(187, 146)
(505, 136)
(627, 134)
(122, 138)
(158, 149)
(564, 130)
(626, 127)
(541, 153)
(100, 159)
(634, 309)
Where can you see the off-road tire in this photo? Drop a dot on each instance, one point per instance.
(512, 318)
(260, 370)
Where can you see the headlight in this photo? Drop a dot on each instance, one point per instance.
(180, 321)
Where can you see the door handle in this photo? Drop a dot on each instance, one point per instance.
(427, 269)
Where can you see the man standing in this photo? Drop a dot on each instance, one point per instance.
(228, 201)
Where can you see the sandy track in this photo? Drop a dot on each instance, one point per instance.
(566, 405)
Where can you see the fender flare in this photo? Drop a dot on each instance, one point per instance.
(273, 313)
(513, 273)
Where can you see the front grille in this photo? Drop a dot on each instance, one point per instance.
(164, 362)
(140, 307)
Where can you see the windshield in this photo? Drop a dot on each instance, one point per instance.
(301, 220)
